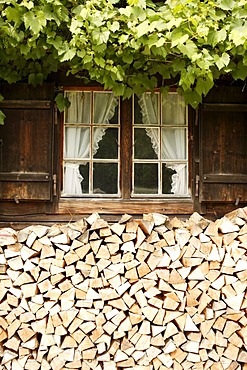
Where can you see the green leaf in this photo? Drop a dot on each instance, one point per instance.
(57, 42)
(68, 55)
(33, 21)
(35, 79)
(100, 62)
(62, 102)
(222, 61)
(87, 59)
(187, 77)
(202, 30)
(119, 90)
(141, 3)
(138, 64)
(226, 4)
(128, 58)
(160, 42)
(128, 93)
(2, 117)
(192, 98)
(159, 25)
(189, 49)
(215, 37)
(239, 35)
(204, 84)
(164, 71)
(24, 49)
(126, 11)
(240, 72)
(115, 26)
(101, 36)
(132, 2)
(81, 53)
(178, 38)
(164, 90)
(81, 10)
(52, 63)
(159, 51)
(75, 26)
(13, 14)
(139, 13)
(142, 28)
(27, 3)
(175, 22)
(178, 64)
(123, 39)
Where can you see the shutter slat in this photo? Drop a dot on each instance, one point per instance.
(25, 104)
(18, 176)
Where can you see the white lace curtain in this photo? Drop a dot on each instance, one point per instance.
(173, 140)
(77, 139)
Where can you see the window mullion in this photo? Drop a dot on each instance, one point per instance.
(160, 147)
(91, 145)
(126, 119)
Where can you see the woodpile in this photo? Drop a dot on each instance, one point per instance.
(141, 294)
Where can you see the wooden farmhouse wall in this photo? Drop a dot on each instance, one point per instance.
(31, 159)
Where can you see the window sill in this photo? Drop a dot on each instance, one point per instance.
(120, 206)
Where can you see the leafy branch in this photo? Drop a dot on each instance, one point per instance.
(125, 47)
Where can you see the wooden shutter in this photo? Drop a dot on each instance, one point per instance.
(26, 142)
(223, 147)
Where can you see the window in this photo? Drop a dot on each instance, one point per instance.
(160, 145)
(91, 144)
(155, 145)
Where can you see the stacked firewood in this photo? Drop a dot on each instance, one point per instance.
(141, 294)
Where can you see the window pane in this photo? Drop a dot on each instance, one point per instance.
(179, 179)
(173, 143)
(105, 143)
(77, 143)
(80, 107)
(168, 179)
(104, 107)
(149, 109)
(75, 178)
(114, 119)
(173, 110)
(145, 178)
(105, 178)
(137, 111)
(84, 171)
(146, 143)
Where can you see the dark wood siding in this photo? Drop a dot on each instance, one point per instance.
(223, 147)
(26, 143)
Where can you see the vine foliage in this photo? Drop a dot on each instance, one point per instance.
(128, 47)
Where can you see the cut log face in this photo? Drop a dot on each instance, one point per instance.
(146, 294)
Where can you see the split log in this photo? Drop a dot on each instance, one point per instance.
(150, 294)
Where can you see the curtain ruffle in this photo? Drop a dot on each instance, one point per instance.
(148, 111)
(79, 139)
(110, 111)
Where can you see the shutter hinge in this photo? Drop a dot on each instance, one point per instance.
(197, 186)
(238, 200)
(54, 178)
